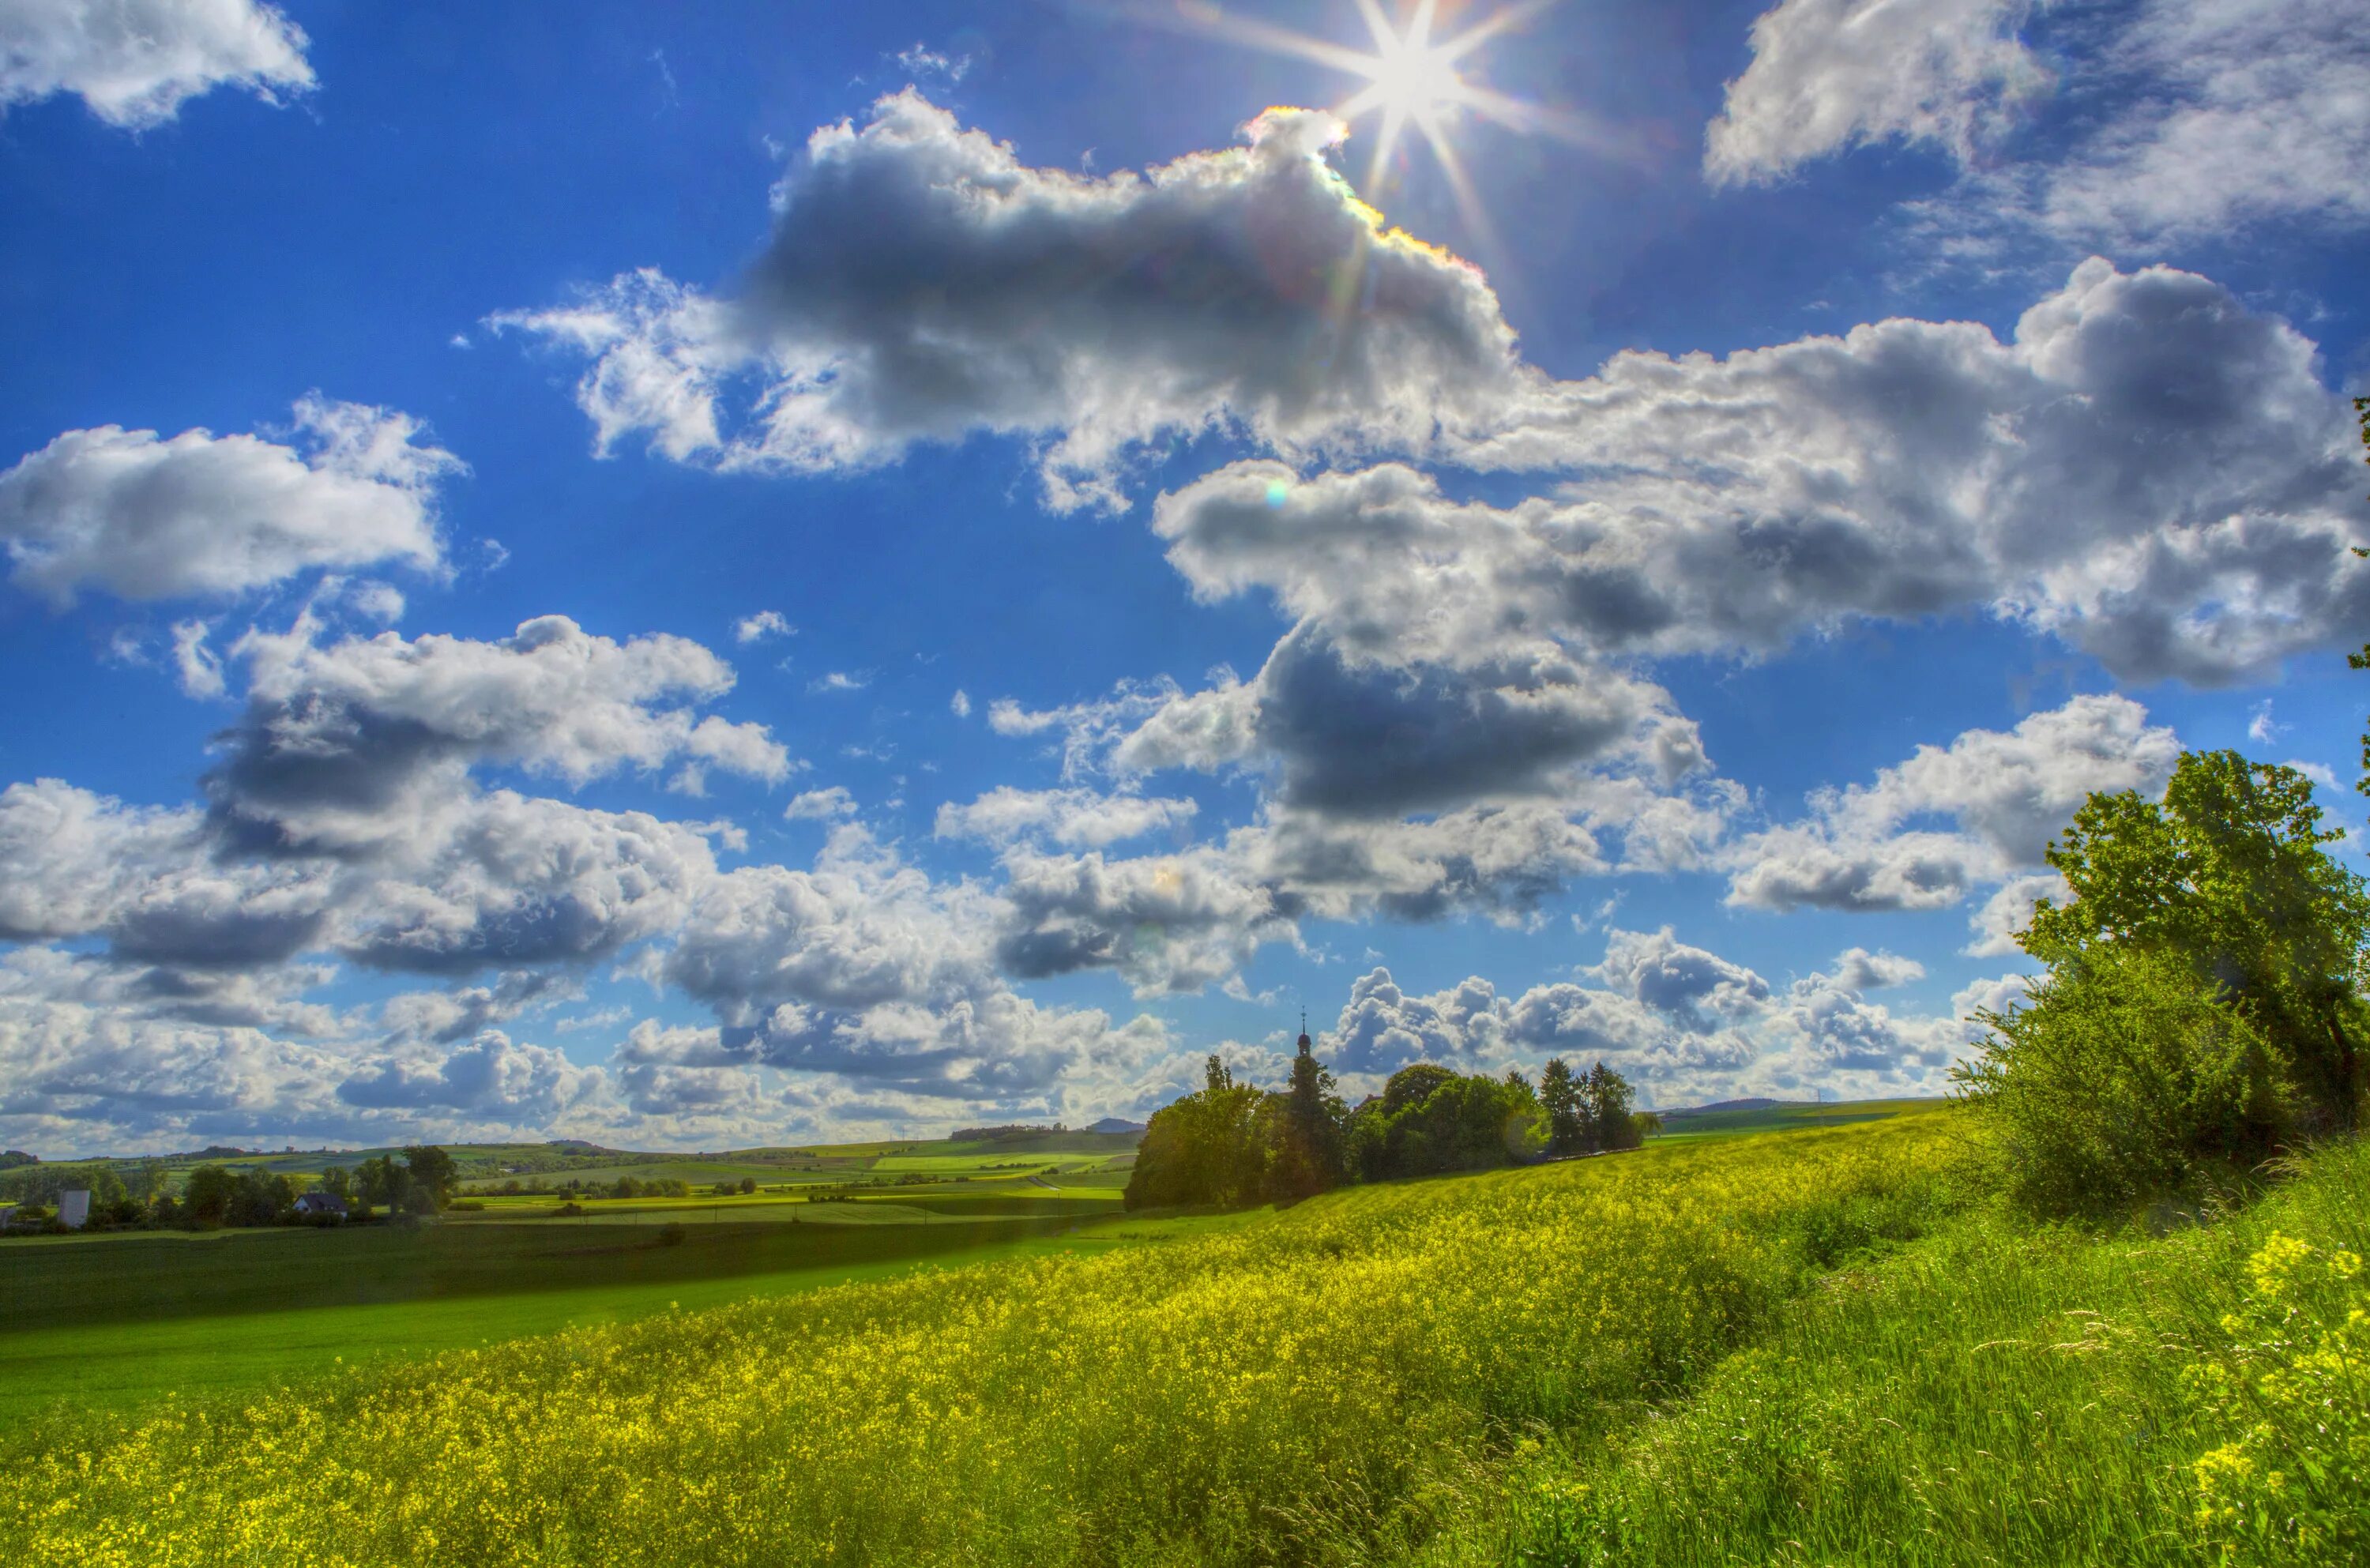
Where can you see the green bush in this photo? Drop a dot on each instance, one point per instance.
(2124, 1079)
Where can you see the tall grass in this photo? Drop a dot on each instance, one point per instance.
(1323, 1385)
(1997, 1394)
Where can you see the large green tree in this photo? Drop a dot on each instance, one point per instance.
(384, 1183)
(1414, 1084)
(1201, 1150)
(206, 1195)
(260, 1197)
(1587, 1112)
(1608, 1099)
(432, 1176)
(2204, 1001)
(2229, 873)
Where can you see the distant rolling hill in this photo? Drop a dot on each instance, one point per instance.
(562, 1158)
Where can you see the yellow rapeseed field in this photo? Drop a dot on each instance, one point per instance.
(1306, 1386)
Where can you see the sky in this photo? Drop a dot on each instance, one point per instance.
(707, 577)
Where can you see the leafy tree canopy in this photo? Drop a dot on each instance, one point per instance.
(2203, 1005)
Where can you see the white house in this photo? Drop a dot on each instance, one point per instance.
(74, 1208)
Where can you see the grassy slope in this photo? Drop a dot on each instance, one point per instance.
(1245, 1391)
(1819, 1347)
(1998, 1392)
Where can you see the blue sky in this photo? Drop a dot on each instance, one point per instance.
(707, 579)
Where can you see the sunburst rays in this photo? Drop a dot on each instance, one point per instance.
(1410, 80)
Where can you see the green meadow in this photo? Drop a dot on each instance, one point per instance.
(1819, 1339)
(1828, 1342)
(106, 1320)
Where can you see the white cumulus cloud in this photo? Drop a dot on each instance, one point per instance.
(2155, 122)
(1830, 73)
(922, 282)
(134, 63)
(1979, 810)
(764, 624)
(145, 517)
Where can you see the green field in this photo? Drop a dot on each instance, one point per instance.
(1826, 1343)
(106, 1320)
(109, 1322)
(816, 1203)
(1072, 1155)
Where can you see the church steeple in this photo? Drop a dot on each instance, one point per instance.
(1304, 1032)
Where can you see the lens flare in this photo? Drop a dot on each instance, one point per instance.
(1412, 80)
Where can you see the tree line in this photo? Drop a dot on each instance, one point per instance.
(420, 1183)
(1231, 1144)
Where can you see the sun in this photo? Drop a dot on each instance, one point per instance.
(1410, 80)
(1410, 77)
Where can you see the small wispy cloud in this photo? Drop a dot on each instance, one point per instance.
(842, 680)
(821, 805)
(921, 60)
(199, 667)
(128, 647)
(764, 624)
(961, 703)
(1583, 923)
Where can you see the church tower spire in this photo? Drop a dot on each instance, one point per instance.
(1304, 1032)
